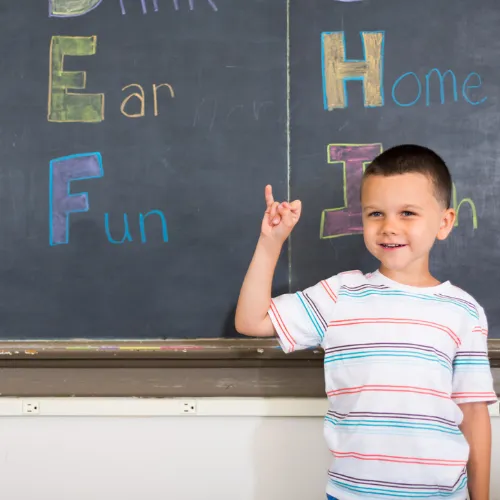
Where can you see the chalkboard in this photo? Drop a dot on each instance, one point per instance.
(411, 48)
(138, 135)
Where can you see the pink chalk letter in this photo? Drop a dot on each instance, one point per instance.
(345, 220)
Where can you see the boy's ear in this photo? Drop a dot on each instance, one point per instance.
(447, 221)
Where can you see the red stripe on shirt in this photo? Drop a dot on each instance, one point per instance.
(397, 321)
(388, 388)
(282, 325)
(396, 459)
(329, 290)
(458, 395)
(482, 331)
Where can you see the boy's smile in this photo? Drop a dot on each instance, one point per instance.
(392, 246)
(401, 220)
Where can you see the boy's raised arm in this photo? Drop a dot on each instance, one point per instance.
(255, 295)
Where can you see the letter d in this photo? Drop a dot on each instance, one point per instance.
(71, 8)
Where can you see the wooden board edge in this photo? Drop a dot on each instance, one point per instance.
(200, 349)
(187, 350)
(494, 351)
(223, 368)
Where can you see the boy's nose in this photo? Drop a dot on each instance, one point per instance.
(390, 226)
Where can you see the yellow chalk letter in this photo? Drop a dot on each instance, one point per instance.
(337, 69)
(141, 98)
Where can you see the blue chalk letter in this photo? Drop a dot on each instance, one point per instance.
(142, 218)
(398, 81)
(441, 81)
(466, 87)
(126, 232)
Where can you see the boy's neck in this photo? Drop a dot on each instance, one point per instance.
(419, 277)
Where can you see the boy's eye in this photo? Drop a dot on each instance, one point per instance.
(375, 214)
(407, 213)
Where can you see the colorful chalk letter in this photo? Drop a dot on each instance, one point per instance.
(140, 97)
(175, 4)
(466, 86)
(395, 86)
(65, 106)
(346, 220)
(441, 77)
(71, 8)
(457, 206)
(143, 5)
(142, 219)
(337, 70)
(61, 203)
(126, 231)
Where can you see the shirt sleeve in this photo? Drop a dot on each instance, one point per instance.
(472, 378)
(301, 319)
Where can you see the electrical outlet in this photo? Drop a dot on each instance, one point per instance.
(188, 407)
(31, 407)
(494, 410)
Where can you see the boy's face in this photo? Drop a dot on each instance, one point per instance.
(401, 220)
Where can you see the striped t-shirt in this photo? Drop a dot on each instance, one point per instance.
(398, 360)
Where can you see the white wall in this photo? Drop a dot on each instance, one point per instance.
(168, 458)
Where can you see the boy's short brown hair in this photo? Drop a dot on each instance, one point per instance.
(411, 158)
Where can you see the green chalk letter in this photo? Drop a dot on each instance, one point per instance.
(67, 106)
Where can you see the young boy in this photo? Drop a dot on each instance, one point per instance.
(406, 365)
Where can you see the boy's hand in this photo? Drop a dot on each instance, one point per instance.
(279, 218)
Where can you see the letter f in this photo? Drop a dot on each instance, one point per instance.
(61, 202)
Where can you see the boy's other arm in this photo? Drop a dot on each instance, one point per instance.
(255, 295)
(476, 427)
